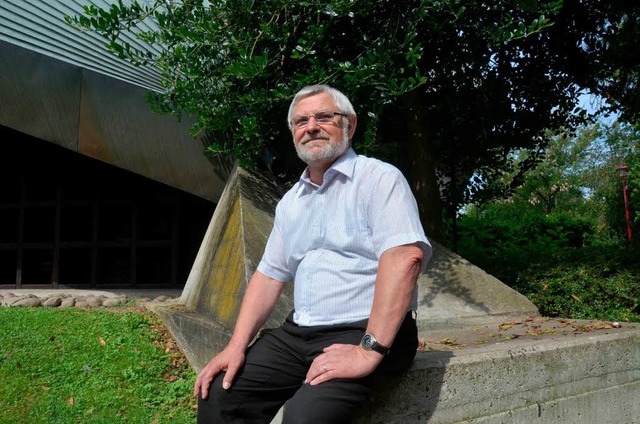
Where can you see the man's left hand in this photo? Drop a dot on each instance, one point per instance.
(342, 361)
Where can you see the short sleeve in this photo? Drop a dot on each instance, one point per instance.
(393, 215)
(274, 263)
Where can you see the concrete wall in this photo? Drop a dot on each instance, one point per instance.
(589, 378)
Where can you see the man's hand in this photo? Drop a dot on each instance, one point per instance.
(229, 360)
(342, 361)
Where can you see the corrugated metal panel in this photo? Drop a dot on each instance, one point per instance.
(39, 25)
(61, 85)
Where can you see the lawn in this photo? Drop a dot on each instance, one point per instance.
(116, 365)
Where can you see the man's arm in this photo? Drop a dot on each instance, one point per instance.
(259, 300)
(398, 272)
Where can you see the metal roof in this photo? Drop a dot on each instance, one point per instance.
(39, 26)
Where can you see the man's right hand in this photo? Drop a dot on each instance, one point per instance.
(229, 360)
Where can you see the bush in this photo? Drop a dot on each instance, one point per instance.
(588, 283)
(506, 242)
(558, 261)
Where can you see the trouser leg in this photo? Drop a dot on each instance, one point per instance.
(336, 401)
(276, 366)
(272, 372)
(332, 402)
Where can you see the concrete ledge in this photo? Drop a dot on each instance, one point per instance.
(587, 378)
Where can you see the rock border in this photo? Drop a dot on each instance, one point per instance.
(65, 300)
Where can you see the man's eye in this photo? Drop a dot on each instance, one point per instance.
(302, 121)
(324, 117)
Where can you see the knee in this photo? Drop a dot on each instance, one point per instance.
(211, 409)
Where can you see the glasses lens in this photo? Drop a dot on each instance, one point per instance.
(300, 121)
(324, 117)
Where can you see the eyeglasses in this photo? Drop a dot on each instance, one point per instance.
(301, 121)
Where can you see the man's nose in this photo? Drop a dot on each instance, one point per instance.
(312, 125)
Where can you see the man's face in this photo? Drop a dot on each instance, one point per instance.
(320, 142)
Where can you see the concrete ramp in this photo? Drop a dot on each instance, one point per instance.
(203, 318)
(466, 373)
(453, 292)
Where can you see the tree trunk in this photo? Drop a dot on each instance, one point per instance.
(421, 168)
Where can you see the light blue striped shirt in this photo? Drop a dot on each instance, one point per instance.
(329, 238)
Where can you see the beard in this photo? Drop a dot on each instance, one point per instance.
(328, 150)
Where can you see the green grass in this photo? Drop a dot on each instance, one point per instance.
(91, 366)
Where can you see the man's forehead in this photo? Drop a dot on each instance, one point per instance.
(315, 102)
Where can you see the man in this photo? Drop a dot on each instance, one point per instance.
(348, 233)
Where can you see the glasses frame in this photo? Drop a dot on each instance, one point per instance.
(314, 116)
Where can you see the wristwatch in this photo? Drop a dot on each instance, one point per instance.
(369, 342)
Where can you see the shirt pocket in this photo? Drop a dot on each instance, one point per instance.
(348, 235)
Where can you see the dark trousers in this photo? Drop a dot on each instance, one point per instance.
(276, 365)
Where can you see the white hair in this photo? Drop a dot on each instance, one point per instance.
(342, 102)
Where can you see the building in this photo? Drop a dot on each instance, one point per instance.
(95, 190)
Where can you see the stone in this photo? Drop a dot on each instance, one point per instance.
(52, 302)
(161, 299)
(82, 304)
(94, 301)
(68, 302)
(29, 302)
(11, 301)
(112, 301)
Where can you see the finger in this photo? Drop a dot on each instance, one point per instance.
(229, 376)
(196, 387)
(205, 378)
(317, 369)
(322, 378)
(205, 382)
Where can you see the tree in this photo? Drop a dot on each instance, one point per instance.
(577, 177)
(444, 89)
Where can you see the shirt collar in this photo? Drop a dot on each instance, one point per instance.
(344, 165)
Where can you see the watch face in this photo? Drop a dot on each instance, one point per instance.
(368, 341)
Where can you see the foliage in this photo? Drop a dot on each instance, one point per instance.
(505, 239)
(578, 175)
(98, 366)
(236, 64)
(588, 283)
(556, 261)
(446, 90)
(559, 238)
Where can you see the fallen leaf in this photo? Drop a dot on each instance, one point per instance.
(505, 327)
(102, 342)
(70, 400)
